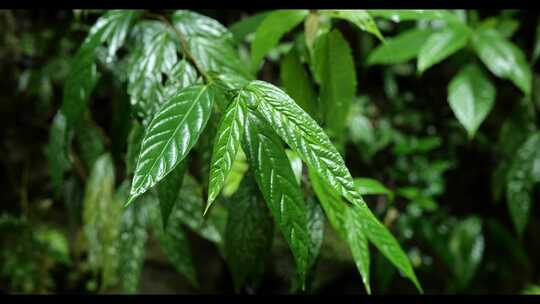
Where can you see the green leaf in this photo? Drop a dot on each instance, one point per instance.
(368, 186)
(116, 25)
(248, 234)
(361, 18)
(297, 84)
(379, 235)
(503, 58)
(168, 190)
(273, 173)
(172, 239)
(442, 44)
(133, 240)
(193, 24)
(210, 43)
(304, 136)
(471, 97)
(57, 151)
(347, 224)
(335, 66)
(270, 31)
(155, 55)
(521, 178)
(81, 79)
(226, 144)
(172, 133)
(100, 218)
(400, 48)
(246, 26)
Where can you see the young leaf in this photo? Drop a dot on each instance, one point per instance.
(297, 84)
(503, 58)
(270, 31)
(521, 177)
(168, 190)
(346, 223)
(471, 97)
(379, 235)
(226, 146)
(304, 136)
(248, 234)
(361, 18)
(400, 48)
(442, 44)
(175, 244)
(172, 133)
(335, 66)
(275, 178)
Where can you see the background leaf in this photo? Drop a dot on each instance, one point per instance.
(440, 45)
(400, 48)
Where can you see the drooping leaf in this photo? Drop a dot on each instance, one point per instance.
(400, 48)
(304, 136)
(503, 58)
(172, 133)
(133, 237)
(523, 174)
(226, 146)
(440, 45)
(335, 66)
(248, 234)
(270, 31)
(379, 235)
(168, 190)
(361, 18)
(172, 239)
(273, 173)
(471, 97)
(100, 218)
(57, 151)
(296, 164)
(296, 83)
(347, 224)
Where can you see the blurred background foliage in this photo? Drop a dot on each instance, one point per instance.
(442, 198)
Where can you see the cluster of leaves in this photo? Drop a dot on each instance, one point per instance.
(196, 145)
(187, 88)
